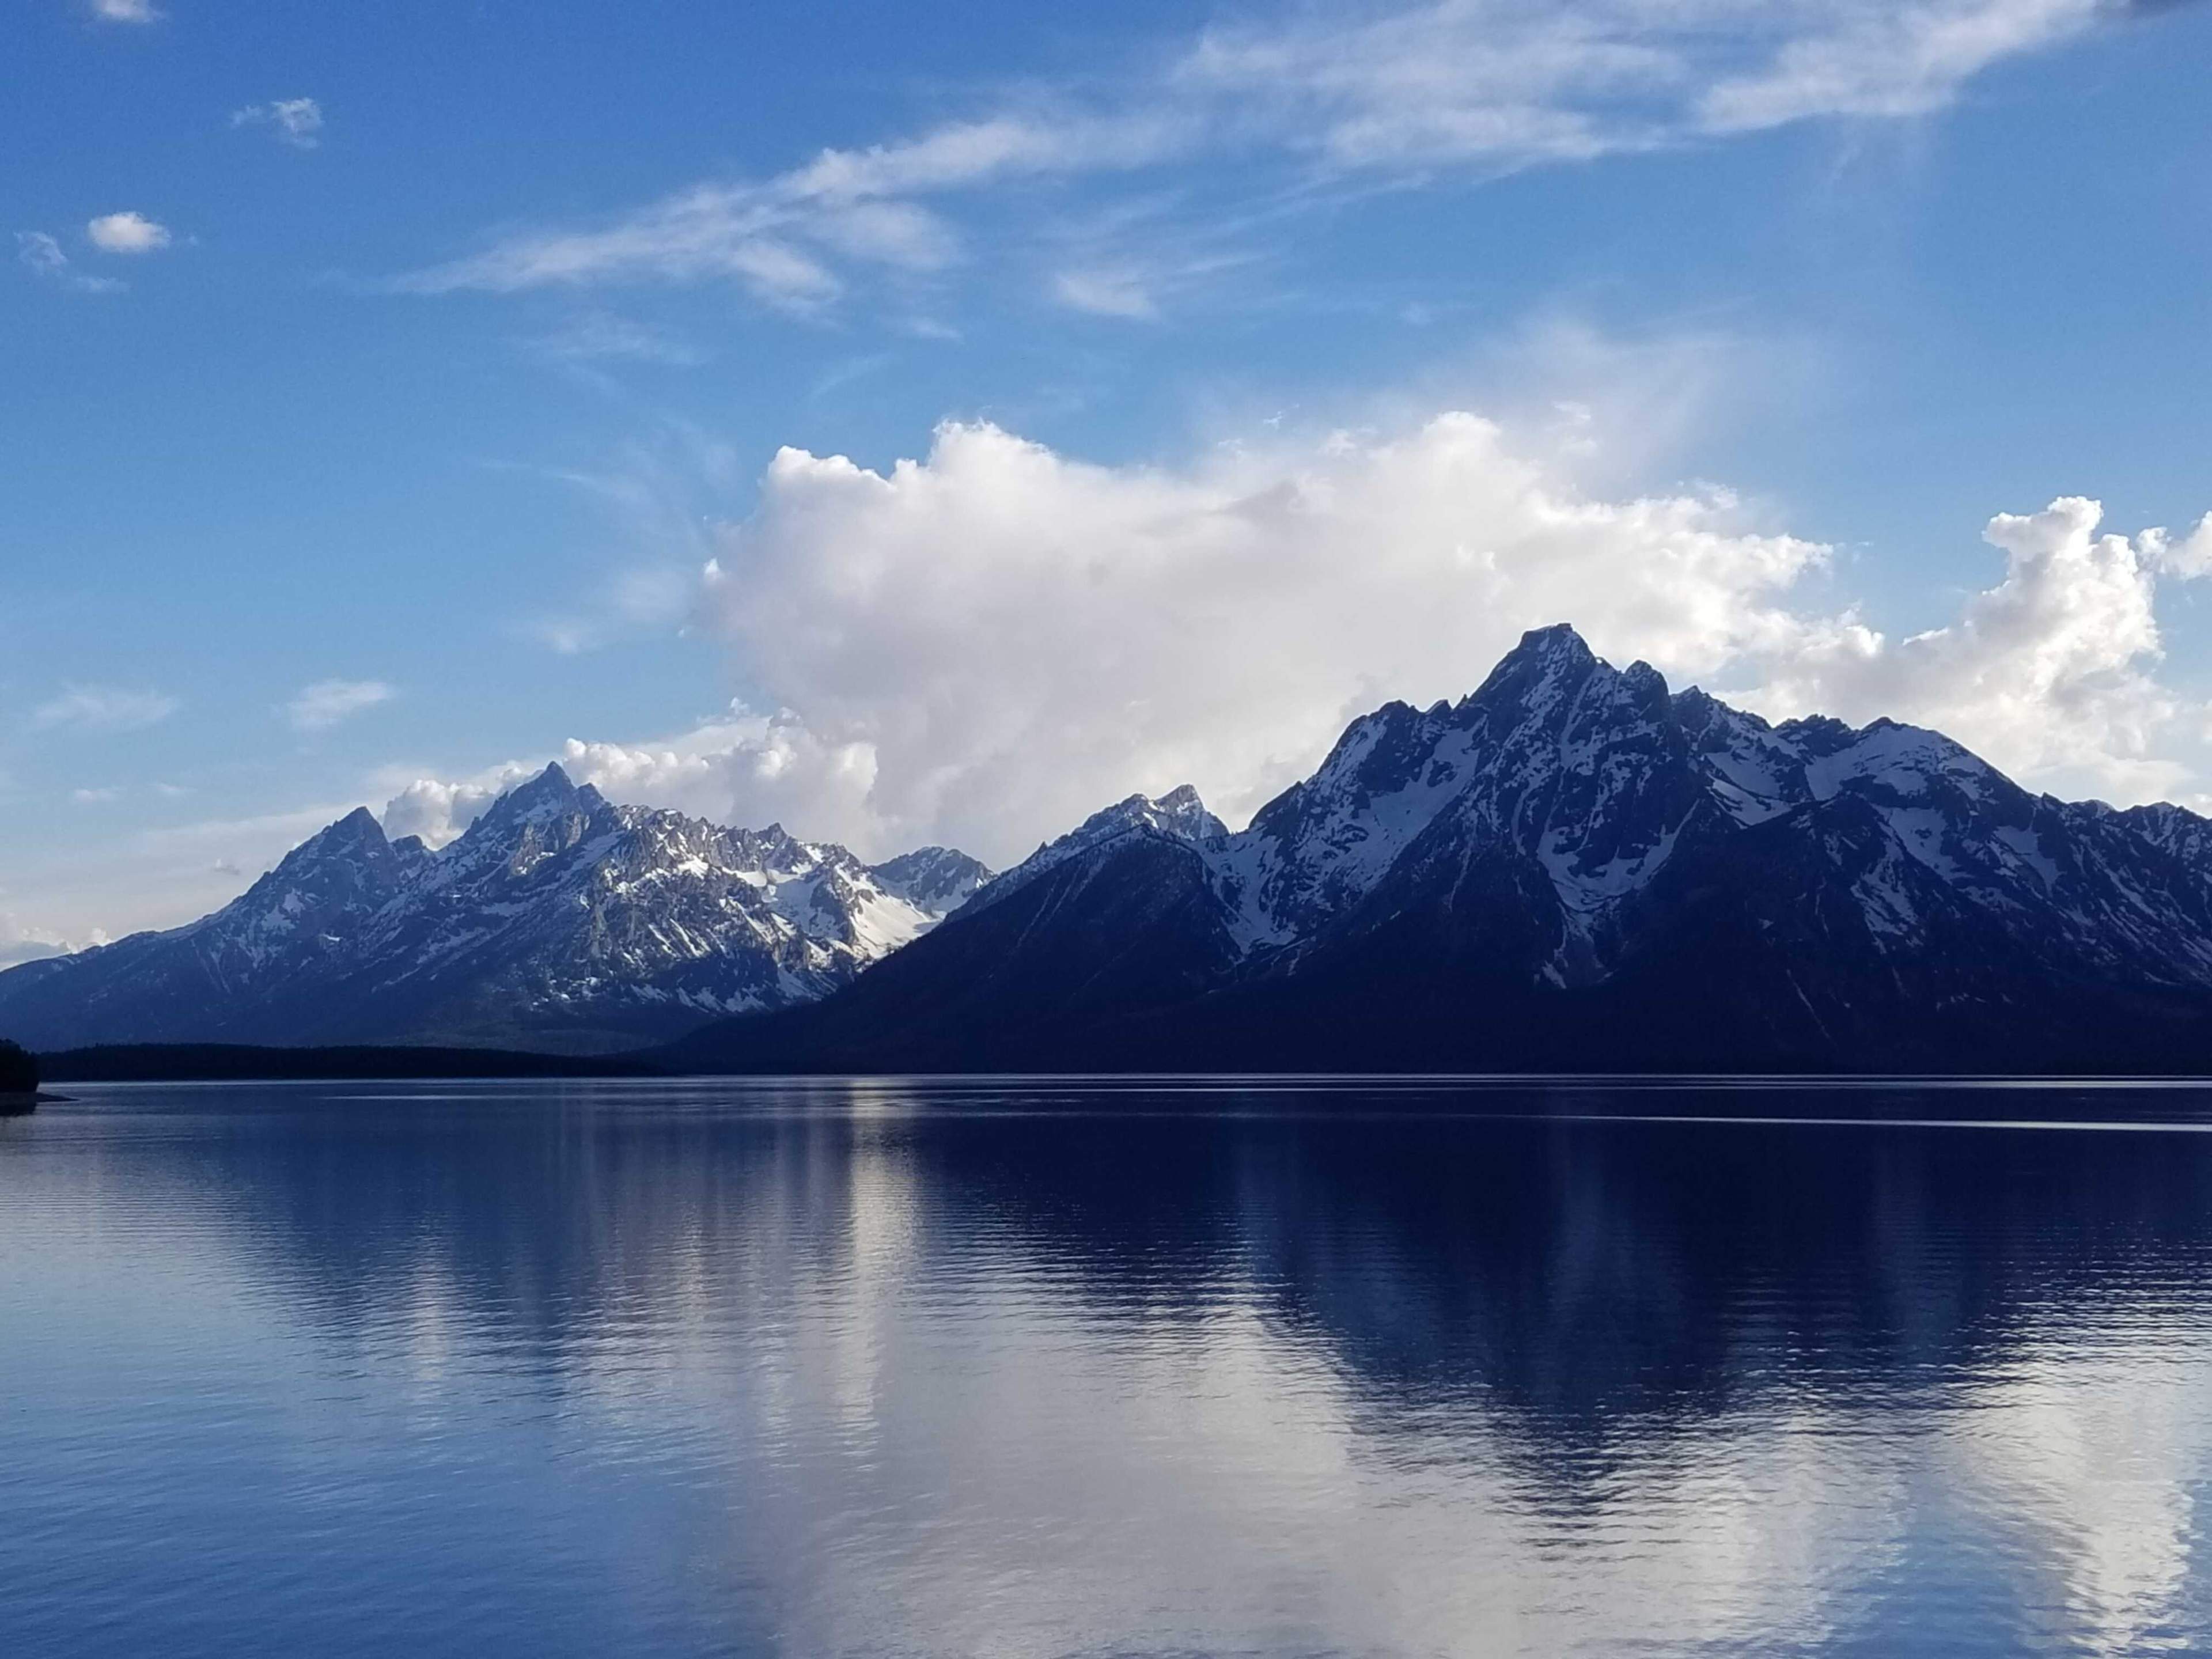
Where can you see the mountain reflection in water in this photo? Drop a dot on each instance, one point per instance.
(826, 1367)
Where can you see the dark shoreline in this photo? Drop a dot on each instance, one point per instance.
(216, 1062)
(240, 1062)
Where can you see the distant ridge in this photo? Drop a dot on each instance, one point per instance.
(558, 921)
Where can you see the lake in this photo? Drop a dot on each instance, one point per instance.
(1115, 1368)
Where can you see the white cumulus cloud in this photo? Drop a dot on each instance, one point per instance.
(2051, 672)
(127, 233)
(125, 11)
(1000, 638)
(2190, 555)
(1012, 637)
(319, 707)
(437, 810)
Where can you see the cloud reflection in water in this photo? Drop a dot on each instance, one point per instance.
(961, 1369)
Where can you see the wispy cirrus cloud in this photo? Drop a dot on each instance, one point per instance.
(42, 256)
(781, 238)
(600, 335)
(125, 11)
(104, 709)
(1121, 293)
(294, 121)
(319, 707)
(1506, 83)
(1358, 95)
(1882, 63)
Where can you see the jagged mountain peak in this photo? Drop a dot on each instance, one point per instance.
(1554, 642)
(1179, 816)
(1179, 813)
(1644, 683)
(1553, 674)
(1509, 753)
(350, 855)
(934, 878)
(356, 830)
(551, 794)
(1547, 664)
(1697, 711)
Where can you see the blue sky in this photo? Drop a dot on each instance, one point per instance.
(384, 378)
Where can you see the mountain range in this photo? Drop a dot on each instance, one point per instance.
(1572, 868)
(557, 920)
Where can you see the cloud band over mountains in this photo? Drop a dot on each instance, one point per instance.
(981, 646)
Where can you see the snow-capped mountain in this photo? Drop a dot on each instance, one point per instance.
(557, 920)
(1571, 867)
(1565, 791)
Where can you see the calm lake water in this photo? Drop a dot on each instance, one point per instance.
(1044, 1369)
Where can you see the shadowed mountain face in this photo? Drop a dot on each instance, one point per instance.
(558, 921)
(1571, 868)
